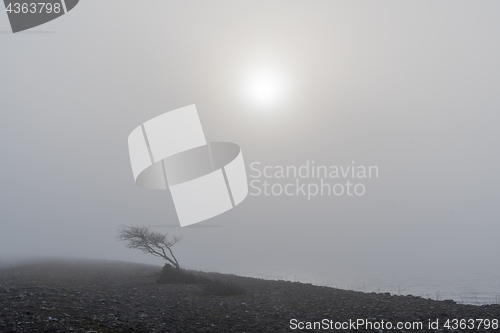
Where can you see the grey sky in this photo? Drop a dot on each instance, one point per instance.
(411, 87)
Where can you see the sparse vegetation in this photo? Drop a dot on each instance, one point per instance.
(210, 284)
(171, 275)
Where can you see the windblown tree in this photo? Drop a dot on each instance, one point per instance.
(155, 243)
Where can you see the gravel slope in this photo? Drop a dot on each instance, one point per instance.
(102, 296)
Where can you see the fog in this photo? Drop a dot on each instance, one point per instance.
(410, 87)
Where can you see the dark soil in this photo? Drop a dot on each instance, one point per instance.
(99, 296)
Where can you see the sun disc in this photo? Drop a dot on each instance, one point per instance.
(264, 88)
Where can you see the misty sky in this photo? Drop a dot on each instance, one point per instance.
(411, 87)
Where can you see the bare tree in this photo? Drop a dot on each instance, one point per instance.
(155, 243)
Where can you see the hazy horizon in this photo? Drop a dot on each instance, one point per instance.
(409, 87)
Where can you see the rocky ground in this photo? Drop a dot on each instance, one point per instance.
(100, 296)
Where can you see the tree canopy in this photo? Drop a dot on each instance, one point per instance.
(148, 241)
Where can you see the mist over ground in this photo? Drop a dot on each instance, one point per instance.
(409, 87)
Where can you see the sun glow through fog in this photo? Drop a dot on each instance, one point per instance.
(264, 88)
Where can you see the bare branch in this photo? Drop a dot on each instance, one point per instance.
(155, 243)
